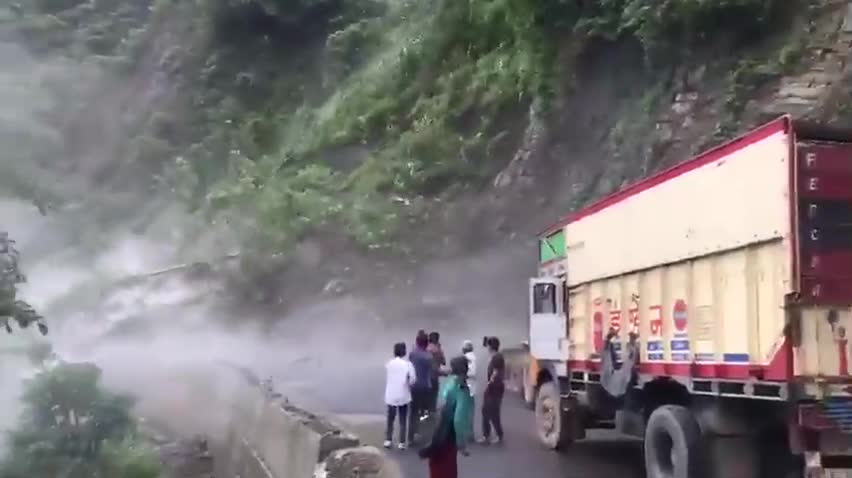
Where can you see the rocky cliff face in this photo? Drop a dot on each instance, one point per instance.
(613, 121)
(616, 122)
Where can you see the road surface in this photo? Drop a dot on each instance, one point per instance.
(354, 394)
(604, 455)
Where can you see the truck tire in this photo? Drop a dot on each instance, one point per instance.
(672, 443)
(552, 425)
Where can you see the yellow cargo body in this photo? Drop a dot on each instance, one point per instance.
(703, 264)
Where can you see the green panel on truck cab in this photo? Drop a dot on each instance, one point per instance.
(551, 247)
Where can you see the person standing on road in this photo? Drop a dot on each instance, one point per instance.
(468, 353)
(439, 361)
(421, 390)
(400, 377)
(493, 396)
(450, 437)
(420, 333)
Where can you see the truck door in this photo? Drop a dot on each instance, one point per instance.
(548, 324)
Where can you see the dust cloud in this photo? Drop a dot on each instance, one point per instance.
(176, 343)
(180, 347)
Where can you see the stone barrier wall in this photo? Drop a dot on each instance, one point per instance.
(268, 437)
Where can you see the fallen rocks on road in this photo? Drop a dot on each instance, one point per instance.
(360, 462)
(268, 437)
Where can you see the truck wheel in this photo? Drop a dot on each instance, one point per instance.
(671, 443)
(551, 423)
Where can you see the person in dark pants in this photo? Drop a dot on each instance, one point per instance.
(421, 391)
(400, 377)
(438, 363)
(492, 398)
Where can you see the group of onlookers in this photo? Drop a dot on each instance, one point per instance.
(413, 394)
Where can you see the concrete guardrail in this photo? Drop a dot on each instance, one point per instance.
(270, 438)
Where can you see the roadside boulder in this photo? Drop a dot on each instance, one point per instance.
(358, 462)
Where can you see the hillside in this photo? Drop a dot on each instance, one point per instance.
(353, 138)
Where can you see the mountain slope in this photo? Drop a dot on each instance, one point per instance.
(325, 134)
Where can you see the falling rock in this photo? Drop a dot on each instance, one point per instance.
(335, 287)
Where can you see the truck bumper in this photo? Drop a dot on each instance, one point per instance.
(814, 467)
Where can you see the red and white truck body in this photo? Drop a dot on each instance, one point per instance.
(729, 275)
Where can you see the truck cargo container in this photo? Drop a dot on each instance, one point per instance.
(706, 309)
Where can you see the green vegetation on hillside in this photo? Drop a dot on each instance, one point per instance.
(296, 116)
(427, 90)
(12, 308)
(74, 428)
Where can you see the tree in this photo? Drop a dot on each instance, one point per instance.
(12, 308)
(73, 428)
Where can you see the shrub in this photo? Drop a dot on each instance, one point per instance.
(676, 26)
(12, 308)
(72, 427)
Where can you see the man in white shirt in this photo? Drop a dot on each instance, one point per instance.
(400, 376)
(467, 351)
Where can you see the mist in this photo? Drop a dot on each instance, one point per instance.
(178, 344)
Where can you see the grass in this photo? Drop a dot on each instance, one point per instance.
(427, 95)
(422, 101)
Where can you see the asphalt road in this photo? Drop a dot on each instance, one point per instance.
(602, 455)
(355, 396)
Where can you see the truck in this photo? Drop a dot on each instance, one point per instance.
(706, 310)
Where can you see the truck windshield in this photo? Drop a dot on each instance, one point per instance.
(544, 299)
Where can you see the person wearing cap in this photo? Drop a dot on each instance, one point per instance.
(468, 353)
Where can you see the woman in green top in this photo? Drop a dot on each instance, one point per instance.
(451, 434)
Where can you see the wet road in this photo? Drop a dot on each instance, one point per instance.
(603, 455)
